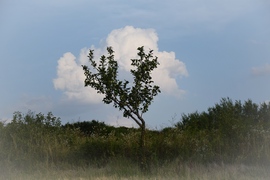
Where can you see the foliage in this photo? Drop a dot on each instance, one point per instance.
(230, 131)
(91, 128)
(135, 100)
(96, 128)
(34, 138)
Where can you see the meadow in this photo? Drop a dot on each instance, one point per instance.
(229, 141)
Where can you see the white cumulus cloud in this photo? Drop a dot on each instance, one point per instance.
(125, 41)
(70, 79)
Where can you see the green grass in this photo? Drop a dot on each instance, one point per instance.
(122, 169)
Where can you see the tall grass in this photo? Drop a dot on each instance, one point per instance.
(37, 146)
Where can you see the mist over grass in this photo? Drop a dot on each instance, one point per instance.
(229, 141)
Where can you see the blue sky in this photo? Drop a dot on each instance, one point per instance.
(209, 49)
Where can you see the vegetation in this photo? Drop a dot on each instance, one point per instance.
(132, 100)
(230, 139)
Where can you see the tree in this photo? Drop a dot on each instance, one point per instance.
(132, 100)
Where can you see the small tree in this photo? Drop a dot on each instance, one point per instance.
(132, 100)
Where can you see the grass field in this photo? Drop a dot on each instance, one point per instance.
(123, 170)
(37, 146)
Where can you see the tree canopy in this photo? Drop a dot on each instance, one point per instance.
(133, 100)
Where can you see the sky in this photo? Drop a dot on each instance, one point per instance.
(207, 50)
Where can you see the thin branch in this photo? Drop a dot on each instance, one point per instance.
(125, 109)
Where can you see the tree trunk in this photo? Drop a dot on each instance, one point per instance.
(144, 164)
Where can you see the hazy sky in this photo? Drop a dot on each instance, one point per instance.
(207, 50)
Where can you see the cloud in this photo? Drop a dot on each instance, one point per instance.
(70, 79)
(125, 41)
(261, 71)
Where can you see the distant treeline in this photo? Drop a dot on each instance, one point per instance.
(229, 132)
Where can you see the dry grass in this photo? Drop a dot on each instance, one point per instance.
(123, 170)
